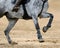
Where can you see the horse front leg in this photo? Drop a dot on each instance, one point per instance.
(11, 24)
(35, 19)
(47, 15)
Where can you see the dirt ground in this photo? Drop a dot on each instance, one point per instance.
(24, 32)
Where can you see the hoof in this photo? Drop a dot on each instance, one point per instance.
(13, 43)
(41, 40)
(45, 29)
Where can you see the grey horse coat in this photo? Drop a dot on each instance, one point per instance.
(32, 7)
(35, 7)
(7, 6)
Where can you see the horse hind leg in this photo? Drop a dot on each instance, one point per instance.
(47, 15)
(11, 24)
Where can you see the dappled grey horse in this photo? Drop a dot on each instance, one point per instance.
(30, 10)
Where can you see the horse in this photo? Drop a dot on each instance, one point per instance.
(30, 10)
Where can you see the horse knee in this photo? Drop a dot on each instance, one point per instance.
(6, 32)
(51, 16)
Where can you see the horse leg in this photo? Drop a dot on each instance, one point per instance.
(11, 24)
(35, 20)
(47, 15)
